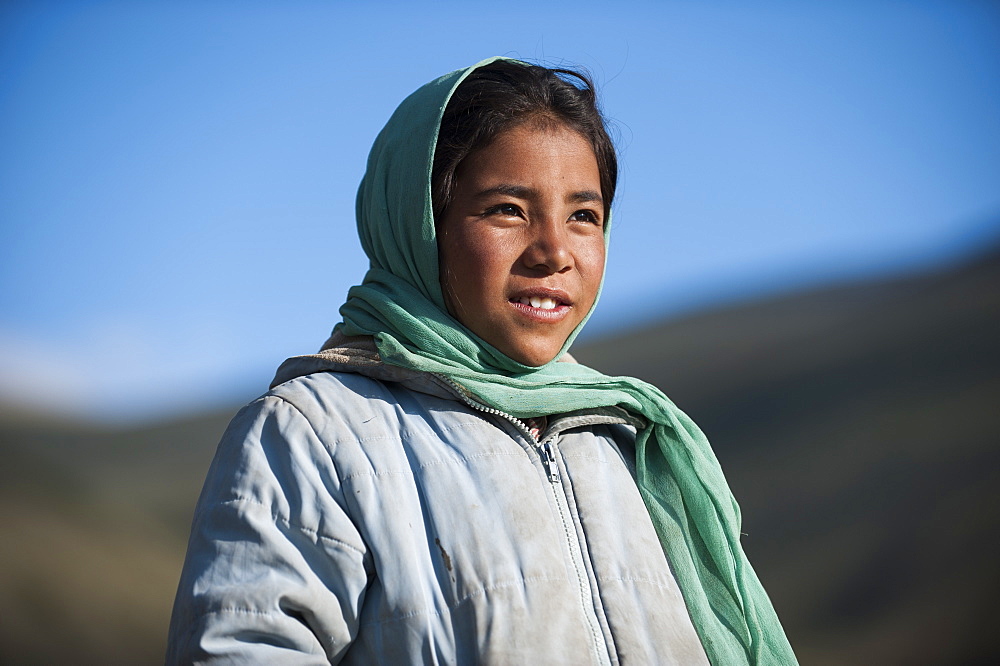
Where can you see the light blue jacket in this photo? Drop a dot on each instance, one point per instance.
(365, 514)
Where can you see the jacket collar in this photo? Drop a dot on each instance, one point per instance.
(358, 354)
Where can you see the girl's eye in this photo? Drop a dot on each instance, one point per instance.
(507, 210)
(585, 216)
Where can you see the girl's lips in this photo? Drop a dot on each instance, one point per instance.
(542, 293)
(553, 314)
(542, 304)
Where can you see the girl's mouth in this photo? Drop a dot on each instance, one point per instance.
(542, 303)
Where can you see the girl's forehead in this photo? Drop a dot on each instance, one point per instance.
(540, 143)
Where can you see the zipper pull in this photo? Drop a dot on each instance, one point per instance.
(549, 460)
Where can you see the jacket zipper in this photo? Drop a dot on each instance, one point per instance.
(549, 460)
(547, 454)
(545, 449)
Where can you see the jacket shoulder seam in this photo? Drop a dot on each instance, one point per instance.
(278, 518)
(329, 447)
(297, 409)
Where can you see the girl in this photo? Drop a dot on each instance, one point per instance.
(442, 483)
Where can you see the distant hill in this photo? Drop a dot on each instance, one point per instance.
(857, 425)
(95, 522)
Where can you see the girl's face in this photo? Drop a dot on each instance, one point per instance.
(521, 247)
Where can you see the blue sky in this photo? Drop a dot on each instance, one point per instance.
(177, 179)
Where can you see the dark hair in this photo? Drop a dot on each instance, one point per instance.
(504, 94)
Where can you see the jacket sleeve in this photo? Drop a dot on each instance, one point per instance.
(276, 571)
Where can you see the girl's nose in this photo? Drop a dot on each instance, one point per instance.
(548, 248)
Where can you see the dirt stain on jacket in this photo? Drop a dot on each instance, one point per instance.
(444, 553)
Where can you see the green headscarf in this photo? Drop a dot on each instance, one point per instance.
(400, 304)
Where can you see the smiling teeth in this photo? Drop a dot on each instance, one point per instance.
(540, 303)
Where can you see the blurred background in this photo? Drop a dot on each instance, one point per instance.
(805, 258)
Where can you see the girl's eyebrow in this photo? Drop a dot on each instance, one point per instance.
(522, 192)
(586, 196)
(517, 191)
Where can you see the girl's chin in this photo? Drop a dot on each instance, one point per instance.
(535, 355)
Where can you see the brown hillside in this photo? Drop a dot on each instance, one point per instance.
(858, 429)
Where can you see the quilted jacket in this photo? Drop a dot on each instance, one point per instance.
(360, 513)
